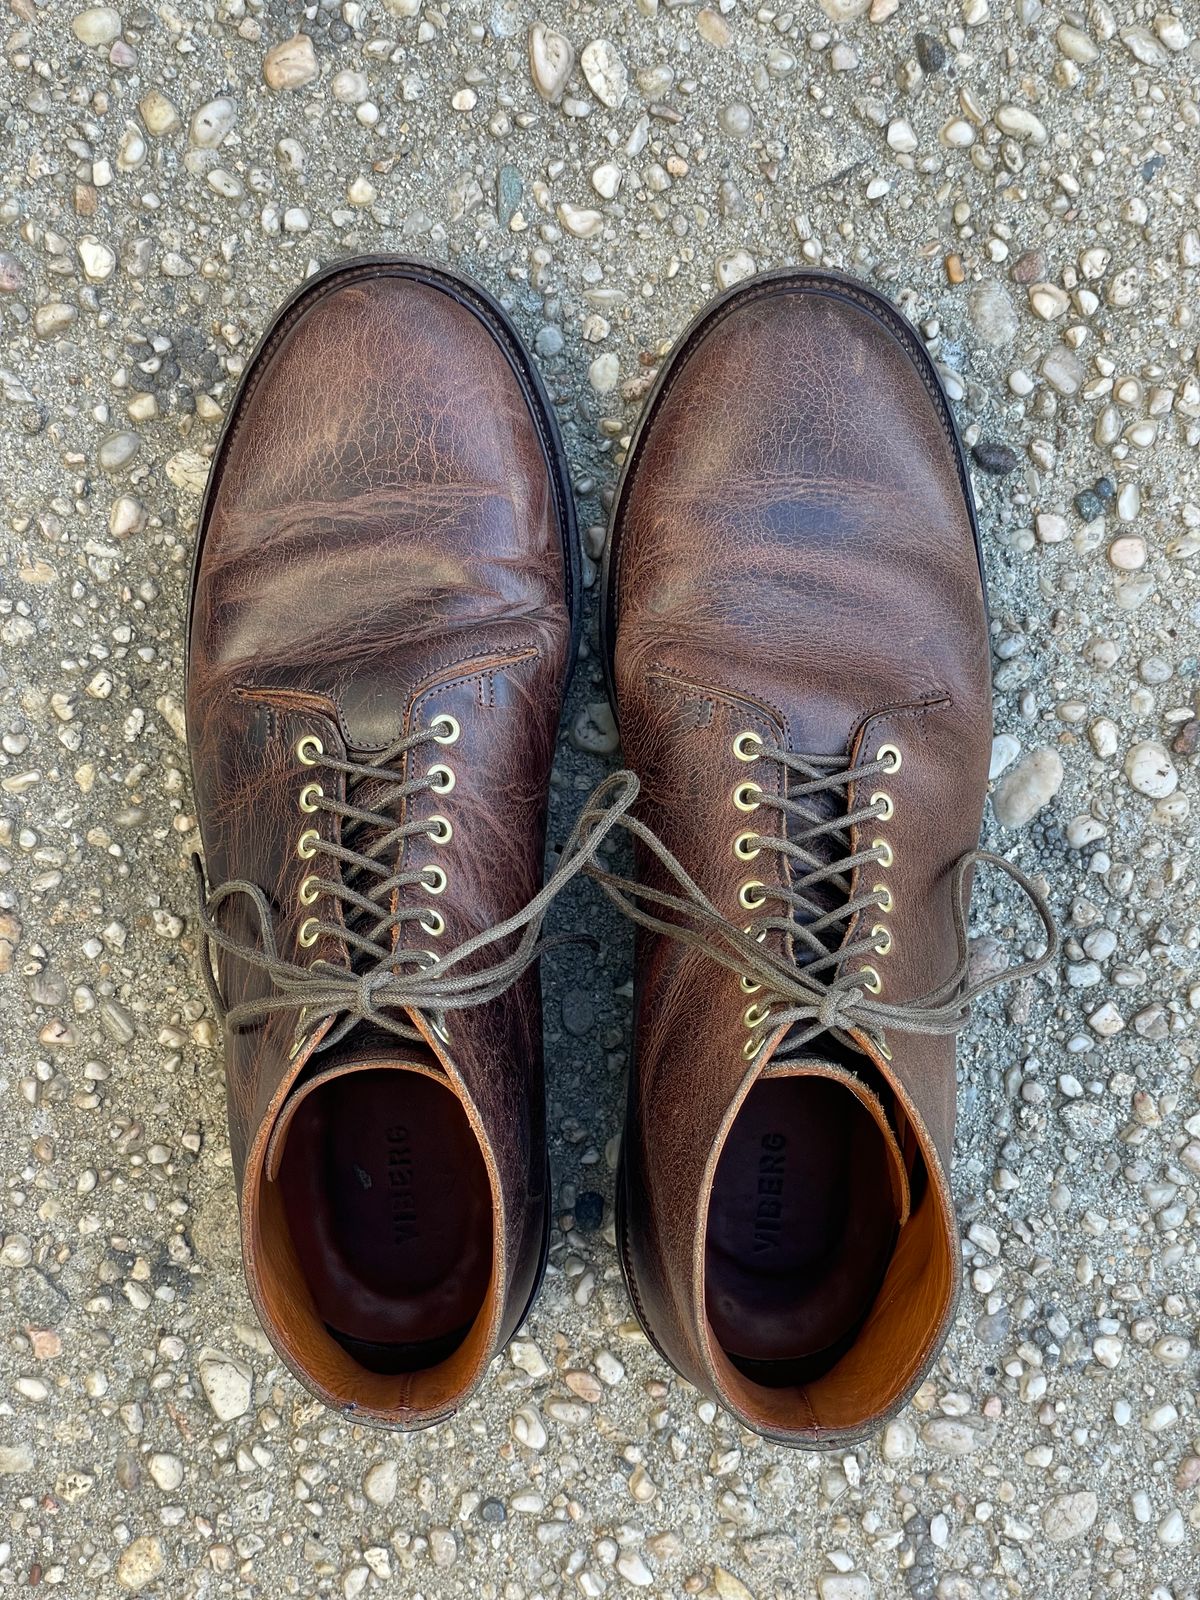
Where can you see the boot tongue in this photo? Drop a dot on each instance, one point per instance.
(350, 1057)
(826, 896)
(871, 1100)
(375, 795)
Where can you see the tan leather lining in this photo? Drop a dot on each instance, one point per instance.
(892, 1345)
(906, 1321)
(285, 1304)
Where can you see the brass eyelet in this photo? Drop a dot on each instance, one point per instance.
(743, 794)
(741, 847)
(883, 896)
(890, 755)
(751, 1048)
(746, 745)
(866, 975)
(309, 795)
(450, 724)
(309, 892)
(885, 852)
(755, 1015)
(310, 932)
(879, 932)
(749, 901)
(441, 778)
(444, 832)
(306, 844)
(881, 1046)
(433, 923)
(882, 798)
(306, 743)
(439, 880)
(748, 985)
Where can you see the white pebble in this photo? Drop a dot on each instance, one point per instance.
(1048, 301)
(608, 1369)
(158, 113)
(605, 73)
(580, 221)
(228, 1383)
(290, 65)
(1105, 737)
(604, 373)
(1020, 123)
(1128, 553)
(381, 1481)
(1005, 750)
(1150, 769)
(528, 1429)
(732, 269)
(98, 260)
(634, 1570)
(97, 25)
(551, 58)
(1028, 788)
(1076, 45)
(1068, 1516)
(1159, 1418)
(1051, 528)
(899, 1441)
(1172, 1530)
(528, 1358)
(844, 1586)
(212, 124)
(167, 1472)
(1107, 1350)
(350, 88)
(606, 179)
(957, 134)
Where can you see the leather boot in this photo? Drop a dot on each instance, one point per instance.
(798, 644)
(383, 617)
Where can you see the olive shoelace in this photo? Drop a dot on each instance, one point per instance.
(383, 980)
(804, 989)
(808, 987)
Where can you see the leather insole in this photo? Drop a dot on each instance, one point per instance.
(801, 1226)
(389, 1208)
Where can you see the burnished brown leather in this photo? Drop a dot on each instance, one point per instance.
(387, 538)
(794, 554)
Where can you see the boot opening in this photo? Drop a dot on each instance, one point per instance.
(827, 1273)
(801, 1226)
(389, 1210)
(370, 1241)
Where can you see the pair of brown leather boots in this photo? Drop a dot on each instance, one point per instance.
(384, 616)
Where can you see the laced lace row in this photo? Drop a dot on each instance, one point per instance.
(816, 982)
